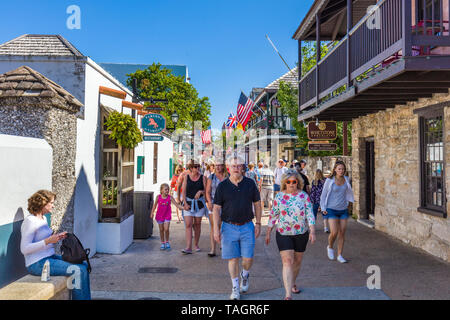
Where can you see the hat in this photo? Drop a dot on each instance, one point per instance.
(281, 160)
(303, 161)
(295, 161)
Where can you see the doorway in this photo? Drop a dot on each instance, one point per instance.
(370, 179)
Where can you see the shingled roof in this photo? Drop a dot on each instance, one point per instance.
(290, 77)
(27, 86)
(39, 45)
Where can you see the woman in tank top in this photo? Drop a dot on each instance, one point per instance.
(213, 181)
(194, 205)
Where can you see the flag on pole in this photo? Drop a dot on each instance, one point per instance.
(239, 126)
(232, 121)
(206, 136)
(244, 110)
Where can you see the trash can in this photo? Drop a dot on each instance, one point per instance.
(143, 225)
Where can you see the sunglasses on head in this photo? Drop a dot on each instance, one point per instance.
(196, 166)
(291, 182)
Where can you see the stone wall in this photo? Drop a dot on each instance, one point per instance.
(397, 176)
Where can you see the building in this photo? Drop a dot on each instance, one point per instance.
(269, 118)
(388, 73)
(82, 207)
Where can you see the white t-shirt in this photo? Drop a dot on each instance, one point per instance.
(34, 231)
(278, 172)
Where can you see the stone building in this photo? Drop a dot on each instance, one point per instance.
(391, 81)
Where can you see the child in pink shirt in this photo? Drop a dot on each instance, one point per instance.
(164, 214)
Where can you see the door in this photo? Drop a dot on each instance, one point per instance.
(370, 179)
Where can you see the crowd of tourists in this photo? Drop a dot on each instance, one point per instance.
(233, 195)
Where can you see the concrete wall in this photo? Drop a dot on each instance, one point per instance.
(25, 167)
(397, 184)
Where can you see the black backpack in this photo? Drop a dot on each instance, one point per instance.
(73, 251)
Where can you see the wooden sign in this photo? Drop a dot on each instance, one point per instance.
(153, 123)
(325, 130)
(322, 146)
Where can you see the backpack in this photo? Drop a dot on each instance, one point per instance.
(73, 251)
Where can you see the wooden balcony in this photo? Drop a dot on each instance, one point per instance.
(397, 53)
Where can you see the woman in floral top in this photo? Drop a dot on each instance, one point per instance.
(292, 212)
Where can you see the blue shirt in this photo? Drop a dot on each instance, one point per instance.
(336, 200)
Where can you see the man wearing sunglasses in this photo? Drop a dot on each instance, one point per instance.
(233, 204)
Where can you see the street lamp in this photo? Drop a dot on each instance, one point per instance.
(175, 118)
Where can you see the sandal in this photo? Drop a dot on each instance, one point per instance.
(295, 290)
(186, 251)
(198, 249)
(287, 298)
(211, 254)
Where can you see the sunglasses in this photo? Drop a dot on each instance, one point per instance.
(291, 182)
(196, 166)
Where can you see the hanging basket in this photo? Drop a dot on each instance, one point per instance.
(124, 130)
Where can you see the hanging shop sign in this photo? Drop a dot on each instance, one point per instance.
(324, 130)
(322, 146)
(153, 123)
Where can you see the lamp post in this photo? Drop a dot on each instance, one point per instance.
(175, 118)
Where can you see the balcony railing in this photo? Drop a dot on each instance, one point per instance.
(406, 28)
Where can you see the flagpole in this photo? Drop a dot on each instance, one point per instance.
(276, 50)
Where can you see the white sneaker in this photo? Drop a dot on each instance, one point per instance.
(244, 283)
(235, 294)
(341, 259)
(330, 253)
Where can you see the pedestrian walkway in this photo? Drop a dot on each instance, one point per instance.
(145, 272)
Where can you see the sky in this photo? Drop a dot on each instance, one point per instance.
(222, 43)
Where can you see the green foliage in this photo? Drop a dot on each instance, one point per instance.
(159, 83)
(124, 129)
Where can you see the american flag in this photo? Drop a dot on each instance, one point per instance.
(206, 136)
(244, 110)
(232, 121)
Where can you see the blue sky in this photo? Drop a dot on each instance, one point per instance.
(222, 42)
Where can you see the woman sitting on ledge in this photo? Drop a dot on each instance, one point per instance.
(37, 245)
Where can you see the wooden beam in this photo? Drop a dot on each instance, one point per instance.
(411, 85)
(112, 92)
(132, 105)
(339, 21)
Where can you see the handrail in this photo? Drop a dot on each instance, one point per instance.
(307, 74)
(334, 49)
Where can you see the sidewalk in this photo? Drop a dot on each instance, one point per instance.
(406, 273)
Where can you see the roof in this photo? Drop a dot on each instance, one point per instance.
(333, 19)
(26, 83)
(39, 45)
(290, 77)
(120, 70)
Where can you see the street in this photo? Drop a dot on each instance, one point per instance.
(406, 273)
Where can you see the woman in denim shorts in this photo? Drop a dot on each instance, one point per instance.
(336, 194)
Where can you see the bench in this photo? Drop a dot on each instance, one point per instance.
(32, 288)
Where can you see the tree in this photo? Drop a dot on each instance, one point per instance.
(159, 83)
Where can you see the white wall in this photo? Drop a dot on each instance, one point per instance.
(165, 153)
(87, 164)
(25, 167)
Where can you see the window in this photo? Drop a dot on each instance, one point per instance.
(432, 163)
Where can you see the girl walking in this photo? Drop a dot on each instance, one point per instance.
(164, 214)
(316, 191)
(337, 193)
(293, 214)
